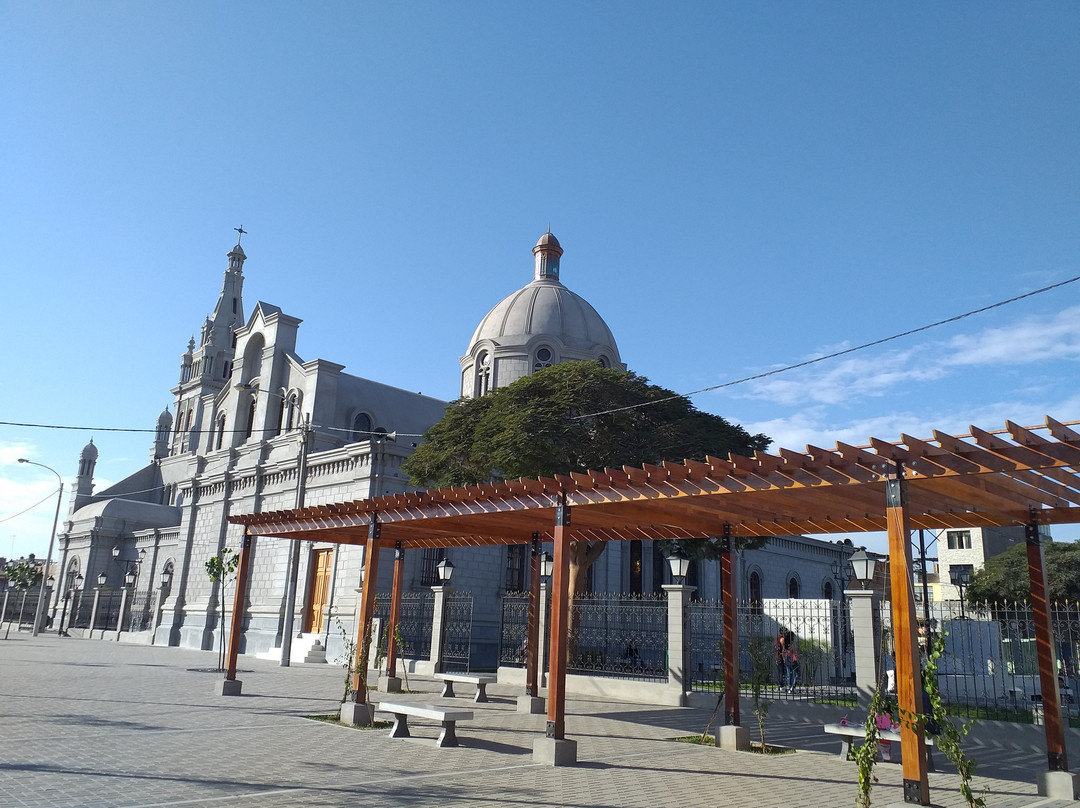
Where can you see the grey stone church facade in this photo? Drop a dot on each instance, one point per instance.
(243, 404)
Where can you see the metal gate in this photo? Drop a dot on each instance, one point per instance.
(457, 635)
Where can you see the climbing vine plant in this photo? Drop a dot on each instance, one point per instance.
(865, 756)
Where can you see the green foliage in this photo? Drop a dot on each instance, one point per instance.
(950, 735)
(529, 429)
(347, 659)
(1004, 578)
(22, 574)
(761, 662)
(865, 756)
(221, 567)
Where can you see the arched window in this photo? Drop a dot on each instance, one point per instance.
(220, 431)
(827, 590)
(604, 361)
(544, 358)
(72, 573)
(250, 418)
(483, 373)
(292, 412)
(793, 587)
(755, 590)
(361, 426)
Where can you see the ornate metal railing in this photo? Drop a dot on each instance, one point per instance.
(108, 611)
(513, 629)
(457, 636)
(618, 635)
(138, 616)
(81, 607)
(414, 624)
(705, 634)
(820, 633)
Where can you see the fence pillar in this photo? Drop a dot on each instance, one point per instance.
(124, 598)
(864, 606)
(438, 627)
(93, 612)
(678, 638)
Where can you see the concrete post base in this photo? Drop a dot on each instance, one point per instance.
(733, 738)
(356, 713)
(390, 684)
(230, 687)
(555, 751)
(1058, 785)
(534, 705)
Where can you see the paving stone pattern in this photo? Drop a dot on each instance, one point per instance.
(89, 723)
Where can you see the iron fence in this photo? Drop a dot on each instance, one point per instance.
(108, 610)
(81, 608)
(20, 607)
(989, 668)
(139, 613)
(618, 635)
(457, 633)
(513, 629)
(414, 624)
(818, 630)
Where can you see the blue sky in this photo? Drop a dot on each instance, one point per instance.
(737, 186)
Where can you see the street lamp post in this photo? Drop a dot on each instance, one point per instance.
(52, 538)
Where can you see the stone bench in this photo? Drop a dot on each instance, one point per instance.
(481, 680)
(857, 732)
(402, 710)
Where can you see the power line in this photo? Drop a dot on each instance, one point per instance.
(20, 513)
(833, 355)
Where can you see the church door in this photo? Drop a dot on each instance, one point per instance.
(319, 587)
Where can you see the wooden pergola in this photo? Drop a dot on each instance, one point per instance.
(1017, 476)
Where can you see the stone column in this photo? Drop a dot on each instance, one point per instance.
(678, 639)
(438, 627)
(93, 613)
(864, 606)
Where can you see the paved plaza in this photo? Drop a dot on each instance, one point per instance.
(92, 723)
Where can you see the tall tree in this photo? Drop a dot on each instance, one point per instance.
(544, 424)
(1004, 578)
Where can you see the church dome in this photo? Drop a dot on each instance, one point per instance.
(165, 419)
(539, 325)
(89, 452)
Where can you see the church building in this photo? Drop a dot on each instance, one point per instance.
(254, 427)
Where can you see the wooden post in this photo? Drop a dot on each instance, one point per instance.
(367, 610)
(730, 606)
(395, 610)
(239, 597)
(909, 688)
(1057, 759)
(532, 636)
(560, 623)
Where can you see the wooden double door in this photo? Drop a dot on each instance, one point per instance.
(322, 567)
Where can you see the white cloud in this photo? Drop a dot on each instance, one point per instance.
(1030, 340)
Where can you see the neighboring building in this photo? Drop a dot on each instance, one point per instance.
(967, 549)
(244, 399)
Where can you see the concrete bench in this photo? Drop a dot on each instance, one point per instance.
(857, 732)
(402, 710)
(481, 680)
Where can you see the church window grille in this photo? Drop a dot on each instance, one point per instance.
(544, 358)
(755, 590)
(361, 426)
(516, 559)
(429, 575)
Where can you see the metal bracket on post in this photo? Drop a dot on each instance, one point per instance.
(562, 512)
(375, 528)
(549, 732)
(895, 496)
(1031, 530)
(399, 551)
(536, 543)
(725, 537)
(913, 791)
